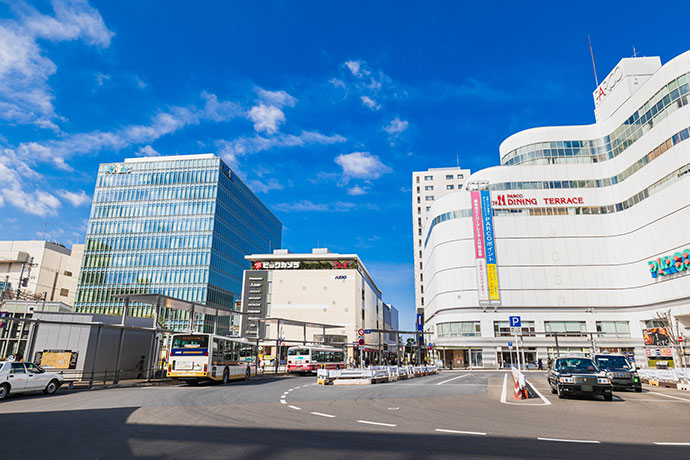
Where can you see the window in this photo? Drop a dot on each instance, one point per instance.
(652, 323)
(428, 177)
(417, 179)
(459, 329)
(502, 328)
(571, 328)
(449, 176)
(429, 198)
(419, 209)
(460, 176)
(68, 273)
(18, 368)
(428, 208)
(614, 328)
(450, 187)
(64, 292)
(428, 187)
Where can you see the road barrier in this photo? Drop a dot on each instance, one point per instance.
(670, 378)
(373, 374)
(520, 385)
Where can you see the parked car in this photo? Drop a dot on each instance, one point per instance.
(623, 375)
(17, 377)
(578, 376)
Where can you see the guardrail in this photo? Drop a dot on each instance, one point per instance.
(373, 374)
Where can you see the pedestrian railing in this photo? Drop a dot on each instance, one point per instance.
(666, 375)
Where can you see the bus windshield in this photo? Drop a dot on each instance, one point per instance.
(298, 352)
(190, 341)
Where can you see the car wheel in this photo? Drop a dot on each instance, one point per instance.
(608, 397)
(561, 394)
(638, 389)
(553, 390)
(4, 391)
(247, 373)
(52, 387)
(226, 376)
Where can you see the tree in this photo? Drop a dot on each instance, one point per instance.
(673, 332)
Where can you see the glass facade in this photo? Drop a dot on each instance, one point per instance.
(178, 226)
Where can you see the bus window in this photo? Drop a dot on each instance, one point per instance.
(298, 352)
(218, 349)
(231, 351)
(246, 352)
(190, 341)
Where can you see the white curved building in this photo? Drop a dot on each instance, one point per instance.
(578, 218)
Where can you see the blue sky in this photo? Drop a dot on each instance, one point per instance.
(324, 108)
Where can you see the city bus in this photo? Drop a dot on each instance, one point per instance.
(308, 359)
(199, 357)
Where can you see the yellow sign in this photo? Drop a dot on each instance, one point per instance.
(56, 360)
(492, 275)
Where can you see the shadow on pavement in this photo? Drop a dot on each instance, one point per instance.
(104, 434)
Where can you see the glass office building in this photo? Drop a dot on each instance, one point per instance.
(178, 226)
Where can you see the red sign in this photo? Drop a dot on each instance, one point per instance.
(339, 264)
(361, 341)
(258, 265)
(518, 199)
(360, 332)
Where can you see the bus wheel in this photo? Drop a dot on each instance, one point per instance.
(226, 376)
(247, 373)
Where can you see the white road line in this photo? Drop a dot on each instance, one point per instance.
(282, 401)
(669, 396)
(454, 378)
(672, 443)
(503, 391)
(322, 415)
(477, 433)
(282, 397)
(375, 423)
(295, 407)
(583, 441)
(546, 401)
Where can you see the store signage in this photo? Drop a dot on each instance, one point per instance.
(339, 277)
(118, 169)
(518, 199)
(607, 85)
(656, 337)
(652, 352)
(489, 245)
(274, 265)
(668, 265)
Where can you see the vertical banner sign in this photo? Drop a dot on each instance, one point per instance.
(489, 246)
(420, 327)
(479, 251)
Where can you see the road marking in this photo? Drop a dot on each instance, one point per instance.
(295, 407)
(669, 396)
(375, 423)
(583, 441)
(454, 378)
(282, 401)
(672, 443)
(282, 397)
(393, 408)
(477, 433)
(503, 391)
(546, 401)
(322, 415)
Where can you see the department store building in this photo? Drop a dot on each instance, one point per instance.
(581, 231)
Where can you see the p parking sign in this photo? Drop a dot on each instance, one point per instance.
(515, 321)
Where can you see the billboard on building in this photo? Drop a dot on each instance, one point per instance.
(489, 246)
(656, 337)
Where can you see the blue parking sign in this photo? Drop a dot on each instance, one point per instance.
(515, 321)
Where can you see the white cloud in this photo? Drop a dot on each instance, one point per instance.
(266, 118)
(25, 96)
(101, 78)
(354, 67)
(265, 186)
(276, 98)
(361, 165)
(14, 172)
(77, 199)
(357, 190)
(396, 126)
(369, 102)
(147, 151)
(308, 206)
(248, 145)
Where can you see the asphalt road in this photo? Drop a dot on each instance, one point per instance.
(456, 414)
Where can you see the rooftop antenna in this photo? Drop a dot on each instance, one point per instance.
(593, 65)
(634, 51)
(45, 228)
(457, 159)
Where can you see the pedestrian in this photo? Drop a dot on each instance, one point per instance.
(540, 365)
(140, 367)
(19, 357)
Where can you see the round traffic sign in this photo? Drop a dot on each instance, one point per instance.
(360, 332)
(361, 341)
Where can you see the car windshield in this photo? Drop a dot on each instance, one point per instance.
(613, 362)
(190, 341)
(576, 365)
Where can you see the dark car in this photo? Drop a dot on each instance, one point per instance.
(578, 376)
(623, 375)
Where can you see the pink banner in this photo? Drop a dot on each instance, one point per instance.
(477, 225)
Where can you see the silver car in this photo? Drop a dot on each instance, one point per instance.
(16, 377)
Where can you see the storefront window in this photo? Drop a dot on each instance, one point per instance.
(613, 328)
(571, 328)
(502, 329)
(459, 329)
